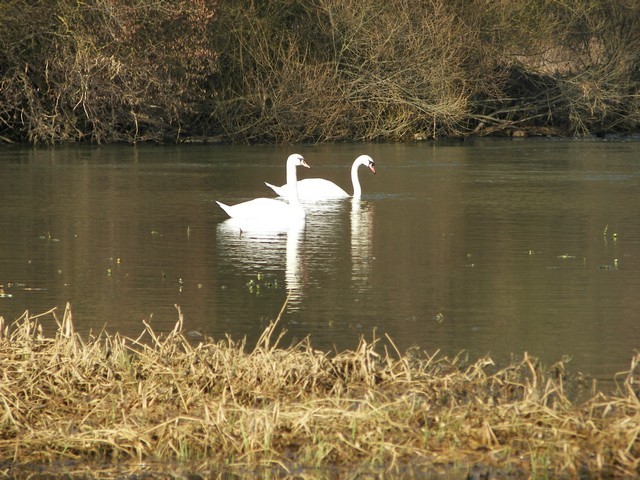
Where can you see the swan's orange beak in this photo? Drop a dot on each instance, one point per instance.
(372, 167)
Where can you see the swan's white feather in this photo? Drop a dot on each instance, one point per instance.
(266, 211)
(322, 189)
(260, 208)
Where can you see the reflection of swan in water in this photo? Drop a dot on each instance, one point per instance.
(293, 270)
(256, 250)
(362, 213)
(326, 241)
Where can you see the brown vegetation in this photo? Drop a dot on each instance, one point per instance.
(103, 71)
(316, 70)
(157, 402)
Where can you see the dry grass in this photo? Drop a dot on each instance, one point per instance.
(166, 404)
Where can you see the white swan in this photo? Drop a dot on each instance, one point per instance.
(269, 211)
(320, 189)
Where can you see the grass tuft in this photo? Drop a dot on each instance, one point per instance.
(161, 401)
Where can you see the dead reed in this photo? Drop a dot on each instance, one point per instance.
(129, 404)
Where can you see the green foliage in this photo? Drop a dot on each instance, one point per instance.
(261, 283)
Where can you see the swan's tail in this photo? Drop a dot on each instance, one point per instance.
(225, 207)
(278, 190)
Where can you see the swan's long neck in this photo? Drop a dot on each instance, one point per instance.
(355, 180)
(292, 184)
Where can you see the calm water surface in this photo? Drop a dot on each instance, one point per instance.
(491, 246)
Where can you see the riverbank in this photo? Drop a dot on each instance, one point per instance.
(298, 71)
(161, 403)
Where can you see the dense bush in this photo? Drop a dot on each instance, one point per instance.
(316, 70)
(571, 66)
(346, 70)
(103, 70)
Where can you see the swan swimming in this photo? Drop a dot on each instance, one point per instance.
(269, 211)
(320, 188)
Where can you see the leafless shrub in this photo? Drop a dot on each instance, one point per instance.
(104, 70)
(316, 70)
(344, 70)
(573, 67)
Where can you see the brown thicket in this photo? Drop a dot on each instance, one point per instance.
(104, 70)
(316, 70)
(570, 66)
(346, 70)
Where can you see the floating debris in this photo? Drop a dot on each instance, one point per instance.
(194, 334)
(614, 235)
(3, 294)
(47, 236)
(610, 267)
(260, 283)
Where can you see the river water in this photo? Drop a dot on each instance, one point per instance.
(490, 246)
